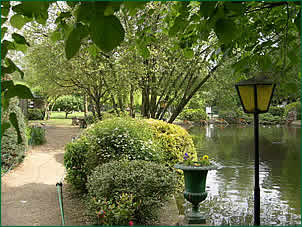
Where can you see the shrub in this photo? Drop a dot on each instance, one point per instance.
(35, 135)
(268, 118)
(294, 106)
(108, 140)
(174, 141)
(193, 115)
(129, 190)
(35, 114)
(276, 111)
(12, 153)
(230, 116)
(74, 161)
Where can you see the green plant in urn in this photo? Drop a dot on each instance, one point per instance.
(195, 175)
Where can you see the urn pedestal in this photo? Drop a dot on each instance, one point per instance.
(195, 185)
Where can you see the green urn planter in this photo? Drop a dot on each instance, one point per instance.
(195, 185)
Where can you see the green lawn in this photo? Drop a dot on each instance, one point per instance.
(61, 115)
(58, 118)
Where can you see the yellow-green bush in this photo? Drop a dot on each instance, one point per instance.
(105, 141)
(174, 141)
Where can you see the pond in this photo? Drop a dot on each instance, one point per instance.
(230, 189)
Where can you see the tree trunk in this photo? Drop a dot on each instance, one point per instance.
(145, 102)
(46, 106)
(120, 102)
(186, 99)
(85, 105)
(153, 97)
(131, 106)
(114, 105)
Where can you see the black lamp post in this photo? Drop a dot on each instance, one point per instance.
(255, 97)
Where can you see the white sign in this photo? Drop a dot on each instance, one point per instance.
(208, 110)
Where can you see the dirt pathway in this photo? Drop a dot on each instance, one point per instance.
(28, 193)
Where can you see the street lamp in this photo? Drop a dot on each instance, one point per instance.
(255, 97)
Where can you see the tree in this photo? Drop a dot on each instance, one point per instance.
(69, 103)
(233, 24)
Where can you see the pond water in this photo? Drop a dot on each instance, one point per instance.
(230, 189)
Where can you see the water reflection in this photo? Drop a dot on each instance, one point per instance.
(231, 189)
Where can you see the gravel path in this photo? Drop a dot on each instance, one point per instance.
(28, 193)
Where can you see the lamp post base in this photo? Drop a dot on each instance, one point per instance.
(194, 217)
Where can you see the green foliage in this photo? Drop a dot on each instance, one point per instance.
(174, 141)
(268, 118)
(193, 115)
(108, 140)
(230, 116)
(294, 106)
(35, 114)
(35, 135)
(90, 119)
(12, 150)
(276, 111)
(147, 184)
(75, 163)
(120, 208)
(9, 91)
(69, 103)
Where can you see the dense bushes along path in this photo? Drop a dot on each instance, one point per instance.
(28, 193)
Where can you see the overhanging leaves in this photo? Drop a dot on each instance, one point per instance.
(73, 42)
(298, 22)
(18, 21)
(5, 84)
(226, 30)
(19, 39)
(3, 31)
(10, 68)
(106, 32)
(36, 9)
(20, 91)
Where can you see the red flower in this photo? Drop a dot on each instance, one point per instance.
(130, 223)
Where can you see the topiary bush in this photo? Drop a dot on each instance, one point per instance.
(125, 190)
(193, 115)
(35, 114)
(12, 153)
(35, 135)
(108, 140)
(174, 141)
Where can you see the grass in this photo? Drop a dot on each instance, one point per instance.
(58, 118)
(61, 115)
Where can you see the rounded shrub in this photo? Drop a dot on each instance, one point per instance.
(125, 190)
(75, 163)
(35, 135)
(174, 141)
(193, 115)
(294, 106)
(35, 114)
(108, 140)
(12, 153)
(276, 111)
